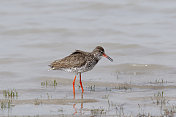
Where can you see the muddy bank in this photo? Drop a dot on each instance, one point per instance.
(48, 101)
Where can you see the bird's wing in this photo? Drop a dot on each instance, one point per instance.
(76, 59)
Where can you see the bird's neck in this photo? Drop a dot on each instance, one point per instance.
(97, 56)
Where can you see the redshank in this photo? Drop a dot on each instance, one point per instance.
(79, 62)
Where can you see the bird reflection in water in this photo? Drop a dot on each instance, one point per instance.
(75, 102)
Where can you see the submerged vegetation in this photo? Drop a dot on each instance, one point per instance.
(10, 93)
(159, 81)
(9, 96)
(159, 98)
(6, 104)
(91, 88)
(98, 112)
(49, 83)
(112, 107)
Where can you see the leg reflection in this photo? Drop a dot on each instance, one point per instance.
(74, 109)
(81, 101)
(78, 101)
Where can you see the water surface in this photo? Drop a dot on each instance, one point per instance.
(138, 35)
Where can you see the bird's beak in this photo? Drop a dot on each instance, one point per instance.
(108, 57)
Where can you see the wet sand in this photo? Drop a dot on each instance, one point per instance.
(138, 35)
(105, 97)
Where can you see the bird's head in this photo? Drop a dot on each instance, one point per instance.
(99, 52)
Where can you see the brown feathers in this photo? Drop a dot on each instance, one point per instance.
(76, 59)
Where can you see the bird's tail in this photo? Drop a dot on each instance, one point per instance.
(50, 68)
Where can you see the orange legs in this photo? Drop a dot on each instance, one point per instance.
(74, 85)
(81, 83)
(74, 105)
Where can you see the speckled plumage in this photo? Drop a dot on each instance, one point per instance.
(77, 62)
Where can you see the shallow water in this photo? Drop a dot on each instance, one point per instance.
(138, 35)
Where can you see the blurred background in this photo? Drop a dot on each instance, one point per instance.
(138, 34)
